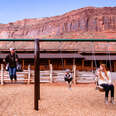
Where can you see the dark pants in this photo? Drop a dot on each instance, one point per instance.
(12, 73)
(107, 88)
(69, 80)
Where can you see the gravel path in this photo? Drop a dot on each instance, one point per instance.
(56, 100)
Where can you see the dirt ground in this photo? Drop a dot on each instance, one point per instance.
(56, 100)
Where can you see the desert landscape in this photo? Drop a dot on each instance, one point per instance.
(56, 100)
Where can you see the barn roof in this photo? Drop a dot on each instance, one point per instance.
(62, 55)
(61, 46)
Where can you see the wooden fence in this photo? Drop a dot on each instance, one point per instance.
(50, 75)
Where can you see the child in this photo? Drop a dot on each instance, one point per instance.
(68, 77)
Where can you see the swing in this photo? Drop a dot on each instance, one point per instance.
(62, 60)
(99, 87)
(67, 70)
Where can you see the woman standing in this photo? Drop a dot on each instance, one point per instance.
(12, 59)
(105, 81)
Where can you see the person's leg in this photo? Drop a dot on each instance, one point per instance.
(106, 88)
(11, 74)
(70, 82)
(112, 93)
(66, 80)
(14, 74)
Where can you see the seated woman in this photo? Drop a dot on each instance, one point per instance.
(68, 78)
(105, 81)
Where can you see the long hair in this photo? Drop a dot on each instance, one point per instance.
(104, 70)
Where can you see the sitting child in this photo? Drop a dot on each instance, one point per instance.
(68, 78)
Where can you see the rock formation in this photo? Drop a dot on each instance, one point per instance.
(89, 22)
(86, 22)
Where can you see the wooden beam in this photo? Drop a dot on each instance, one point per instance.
(114, 66)
(64, 63)
(51, 72)
(2, 74)
(29, 74)
(37, 74)
(23, 64)
(74, 72)
(92, 68)
(83, 64)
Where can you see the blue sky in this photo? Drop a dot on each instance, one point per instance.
(12, 10)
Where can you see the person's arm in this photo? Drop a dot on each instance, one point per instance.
(109, 76)
(100, 75)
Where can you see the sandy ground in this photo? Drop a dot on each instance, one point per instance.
(56, 100)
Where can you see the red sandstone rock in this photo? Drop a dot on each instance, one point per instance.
(89, 22)
(82, 23)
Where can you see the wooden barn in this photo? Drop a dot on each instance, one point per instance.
(62, 55)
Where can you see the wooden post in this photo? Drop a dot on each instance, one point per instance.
(2, 74)
(51, 71)
(37, 74)
(92, 68)
(23, 64)
(74, 72)
(64, 63)
(82, 64)
(114, 66)
(49, 62)
(29, 74)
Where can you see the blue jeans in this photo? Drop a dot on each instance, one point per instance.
(12, 73)
(108, 88)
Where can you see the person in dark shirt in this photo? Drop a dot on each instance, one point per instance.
(11, 59)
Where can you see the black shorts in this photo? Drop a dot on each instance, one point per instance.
(69, 80)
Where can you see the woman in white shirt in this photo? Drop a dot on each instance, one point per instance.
(105, 81)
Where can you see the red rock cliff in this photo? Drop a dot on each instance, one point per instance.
(85, 22)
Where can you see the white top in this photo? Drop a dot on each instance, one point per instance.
(105, 81)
